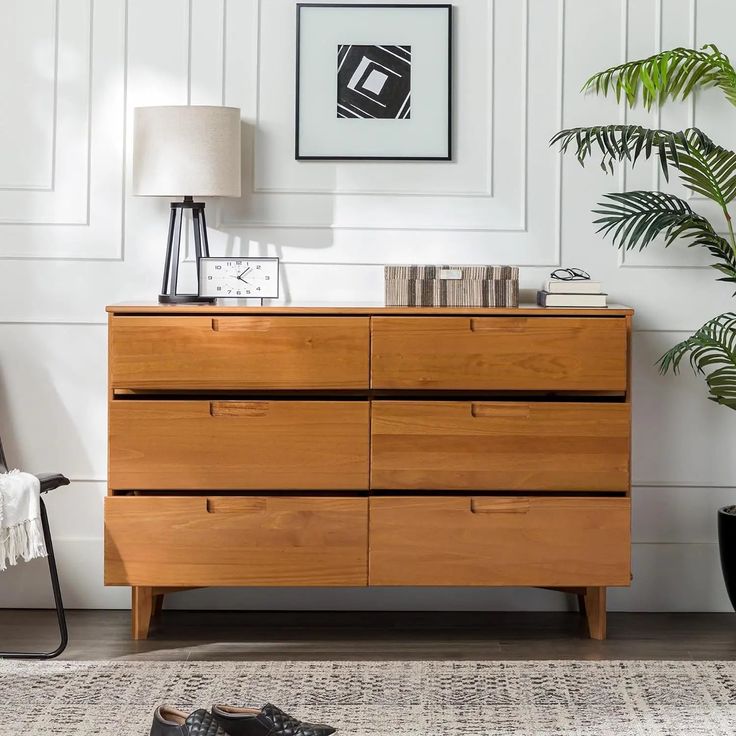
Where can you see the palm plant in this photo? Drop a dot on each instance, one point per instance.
(635, 219)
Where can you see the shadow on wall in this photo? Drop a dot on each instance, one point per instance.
(243, 226)
(33, 416)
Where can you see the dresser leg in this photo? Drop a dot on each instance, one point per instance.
(158, 606)
(593, 605)
(141, 611)
(581, 603)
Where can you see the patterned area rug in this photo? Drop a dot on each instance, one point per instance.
(381, 698)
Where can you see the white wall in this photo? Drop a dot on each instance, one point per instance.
(72, 240)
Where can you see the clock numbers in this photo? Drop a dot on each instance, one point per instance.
(239, 277)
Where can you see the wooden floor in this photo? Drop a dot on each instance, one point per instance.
(366, 636)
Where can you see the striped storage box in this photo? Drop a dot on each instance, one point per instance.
(452, 286)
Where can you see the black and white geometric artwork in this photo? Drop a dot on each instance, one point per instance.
(374, 82)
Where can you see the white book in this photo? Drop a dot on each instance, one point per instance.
(556, 286)
(545, 299)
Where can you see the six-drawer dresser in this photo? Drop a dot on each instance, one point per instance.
(288, 446)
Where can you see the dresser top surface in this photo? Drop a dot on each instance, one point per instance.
(526, 310)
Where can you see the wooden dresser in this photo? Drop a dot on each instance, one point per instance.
(286, 446)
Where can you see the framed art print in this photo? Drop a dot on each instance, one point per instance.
(374, 82)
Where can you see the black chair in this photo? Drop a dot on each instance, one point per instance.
(48, 483)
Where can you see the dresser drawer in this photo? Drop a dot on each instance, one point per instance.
(486, 446)
(238, 445)
(553, 541)
(182, 541)
(239, 352)
(500, 353)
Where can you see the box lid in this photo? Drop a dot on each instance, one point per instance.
(450, 272)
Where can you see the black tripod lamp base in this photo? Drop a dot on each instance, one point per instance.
(185, 299)
(169, 293)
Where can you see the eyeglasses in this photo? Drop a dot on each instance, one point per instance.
(570, 274)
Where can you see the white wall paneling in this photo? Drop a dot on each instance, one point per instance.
(316, 211)
(80, 565)
(27, 152)
(679, 437)
(650, 27)
(72, 240)
(53, 398)
(78, 214)
(64, 123)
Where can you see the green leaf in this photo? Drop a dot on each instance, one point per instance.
(712, 353)
(704, 167)
(636, 219)
(667, 75)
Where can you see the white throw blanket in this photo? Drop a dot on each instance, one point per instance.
(21, 533)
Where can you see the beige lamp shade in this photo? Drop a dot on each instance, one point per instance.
(186, 150)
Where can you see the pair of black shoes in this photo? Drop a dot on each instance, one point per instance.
(226, 720)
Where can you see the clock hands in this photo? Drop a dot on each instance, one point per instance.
(240, 278)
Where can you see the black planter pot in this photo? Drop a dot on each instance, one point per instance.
(727, 544)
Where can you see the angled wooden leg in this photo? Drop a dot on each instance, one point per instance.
(581, 603)
(158, 605)
(141, 611)
(594, 607)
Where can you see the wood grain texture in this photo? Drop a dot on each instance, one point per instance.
(183, 541)
(558, 541)
(206, 442)
(246, 352)
(327, 309)
(486, 446)
(262, 445)
(499, 353)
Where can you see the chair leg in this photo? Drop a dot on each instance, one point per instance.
(60, 614)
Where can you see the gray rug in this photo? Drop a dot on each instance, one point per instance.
(381, 698)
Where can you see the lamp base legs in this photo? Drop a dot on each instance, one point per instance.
(185, 299)
(169, 287)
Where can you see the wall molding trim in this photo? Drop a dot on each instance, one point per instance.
(87, 238)
(49, 187)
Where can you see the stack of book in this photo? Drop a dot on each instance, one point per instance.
(580, 293)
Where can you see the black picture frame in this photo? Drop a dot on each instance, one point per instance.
(418, 6)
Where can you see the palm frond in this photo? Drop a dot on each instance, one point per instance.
(635, 219)
(617, 143)
(712, 353)
(709, 170)
(704, 167)
(667, 75)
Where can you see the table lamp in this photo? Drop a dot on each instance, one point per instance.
(185, 151)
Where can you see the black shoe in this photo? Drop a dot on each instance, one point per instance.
(268, 721)
(171, 722)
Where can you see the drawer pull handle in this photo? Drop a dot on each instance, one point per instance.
(500, 505)
(501, 411)
(226, 505)
(249, 324)
(508, 325)
(238, 408)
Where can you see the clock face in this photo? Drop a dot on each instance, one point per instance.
(239, 278)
